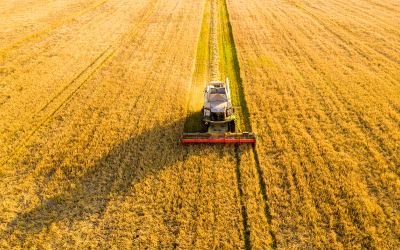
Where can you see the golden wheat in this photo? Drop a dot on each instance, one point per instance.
(95, 94)
(105, 170)
(321, 83)
(39, 74)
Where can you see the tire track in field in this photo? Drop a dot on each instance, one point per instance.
(81, 79)
(215, 74)
(233, 71)
(243, 209)
(50, 28)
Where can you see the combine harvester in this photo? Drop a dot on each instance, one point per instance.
(217, 125)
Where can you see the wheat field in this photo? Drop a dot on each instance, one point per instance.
(95, 94)
(103, 167)
(321, 80)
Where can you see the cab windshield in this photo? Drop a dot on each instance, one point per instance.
(217, 116)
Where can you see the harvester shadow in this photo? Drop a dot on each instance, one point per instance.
(113, 175)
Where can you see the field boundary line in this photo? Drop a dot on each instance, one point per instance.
(43, 122)
(232, 63)
(51, 27)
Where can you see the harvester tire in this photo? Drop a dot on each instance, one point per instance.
(203, 126)
(232, 126)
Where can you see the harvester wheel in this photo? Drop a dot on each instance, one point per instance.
(203, 126)
(232, 126)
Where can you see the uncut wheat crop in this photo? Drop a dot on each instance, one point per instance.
(321, 80)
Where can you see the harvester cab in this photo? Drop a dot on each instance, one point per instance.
(218, 123)
(217, 110)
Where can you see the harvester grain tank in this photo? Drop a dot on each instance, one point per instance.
(218, 123)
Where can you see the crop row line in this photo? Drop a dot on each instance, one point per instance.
(344, 102)
(95, 66)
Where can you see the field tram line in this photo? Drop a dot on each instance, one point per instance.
(90, 70)
(233, 63)
(243, 209)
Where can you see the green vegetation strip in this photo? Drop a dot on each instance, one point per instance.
(230, 68)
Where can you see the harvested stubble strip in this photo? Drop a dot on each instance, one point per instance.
(107, 170)
(325, 109)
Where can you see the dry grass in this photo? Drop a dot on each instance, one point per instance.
(322, 87)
